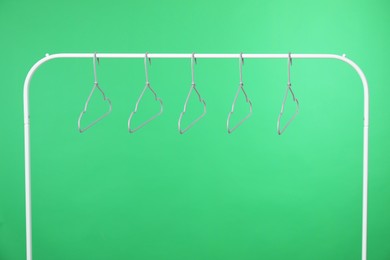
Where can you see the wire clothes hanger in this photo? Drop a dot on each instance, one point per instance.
(193, 87)
(96, 86)
(240, 88)
(147, 86)
(289, 63)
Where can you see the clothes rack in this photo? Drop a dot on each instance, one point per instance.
(189, 56)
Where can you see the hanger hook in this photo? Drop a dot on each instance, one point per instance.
(95, 59)
(146, 59)
(241, 63)
(193, 62)
(289, 68)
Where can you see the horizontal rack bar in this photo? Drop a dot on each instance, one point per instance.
(196, 55)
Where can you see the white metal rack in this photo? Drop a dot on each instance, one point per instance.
(189, 56)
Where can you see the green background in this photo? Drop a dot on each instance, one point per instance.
(156, 194)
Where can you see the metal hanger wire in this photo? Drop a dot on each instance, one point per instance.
(193, 88)
(240, 88)
(147, 86)
(96, 86)
(288, 89)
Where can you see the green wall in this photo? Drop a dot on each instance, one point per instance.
(156, 194)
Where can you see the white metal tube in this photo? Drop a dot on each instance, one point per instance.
(189, 56)
(365, 155)
(198, 56)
